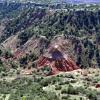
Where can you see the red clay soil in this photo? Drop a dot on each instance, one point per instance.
(59, 65)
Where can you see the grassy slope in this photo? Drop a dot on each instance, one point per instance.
(80, 82)
(84, 83)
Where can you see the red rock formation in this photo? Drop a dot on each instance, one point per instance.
(57, 60)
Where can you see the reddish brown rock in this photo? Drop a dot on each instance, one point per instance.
(57, 60)
(97, 85)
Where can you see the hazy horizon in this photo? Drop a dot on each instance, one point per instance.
(84, 1)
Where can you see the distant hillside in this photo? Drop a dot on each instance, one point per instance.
(35, 1)
(56, 1)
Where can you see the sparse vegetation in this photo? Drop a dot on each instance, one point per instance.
(28, 31)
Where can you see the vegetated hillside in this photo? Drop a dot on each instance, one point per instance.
(28, 31)
(9, 10)
(80, 26)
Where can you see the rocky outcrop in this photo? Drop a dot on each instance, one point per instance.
(57, 60)
(61, 65)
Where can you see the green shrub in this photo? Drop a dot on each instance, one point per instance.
(2, 67)
(4, 74)
(67, 82)
(24, 98)
(73, 81)
(65, 97)
(45, 82)
(63, 82)
(14, 65)
(64, 91)
(58, 87)
(81, 90)
(1, 52)
(8, 54)
(46, 70)
(70, 76)
(72, 90)
(92, 95)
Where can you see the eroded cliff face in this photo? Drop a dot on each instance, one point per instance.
(57, 57)
(56, 66)
(57, 54)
